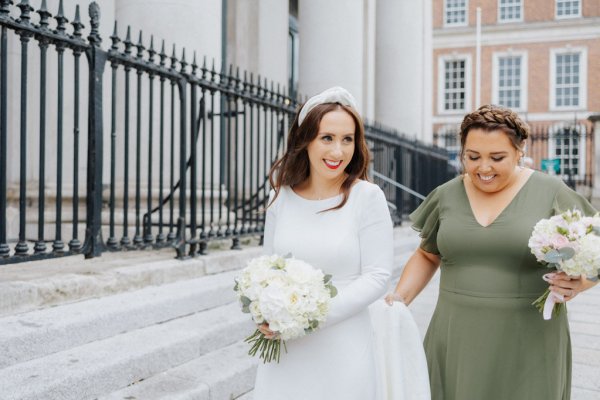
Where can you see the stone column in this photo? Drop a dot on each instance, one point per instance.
(404, 66)
(332, 47)
(258, 38)
(190, 24)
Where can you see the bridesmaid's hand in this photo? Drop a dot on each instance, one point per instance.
(390, 298)
(567, 286)
(269, 334)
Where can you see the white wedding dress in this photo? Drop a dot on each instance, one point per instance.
(342, 360)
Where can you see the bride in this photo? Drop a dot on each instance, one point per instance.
(323, 210)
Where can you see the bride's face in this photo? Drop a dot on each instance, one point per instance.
(331, 151)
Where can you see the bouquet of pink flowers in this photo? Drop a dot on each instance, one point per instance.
(568, 242)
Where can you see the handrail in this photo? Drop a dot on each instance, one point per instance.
(398, 185)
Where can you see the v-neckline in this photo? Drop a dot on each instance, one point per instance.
(503, 210)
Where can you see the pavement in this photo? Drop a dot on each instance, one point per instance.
(584, 321)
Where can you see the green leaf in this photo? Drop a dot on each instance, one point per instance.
(327, 278)
(596, 230)
(562, 230)
(236, 287)
(245, 301)
(553, 256)
(246, 309)
(333, 291)
(567, 253)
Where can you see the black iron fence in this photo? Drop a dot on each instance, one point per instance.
(562, 149)
(406, 169)
(184, 159)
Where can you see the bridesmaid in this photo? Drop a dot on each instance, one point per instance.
(323, 211)
(486, 340)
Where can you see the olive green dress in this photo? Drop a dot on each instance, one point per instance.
(485, 340)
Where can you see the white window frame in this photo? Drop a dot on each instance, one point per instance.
(582, 78)
(507, 21)
(441, 82)
(450, 25)
(566, 16)
(582, 153)
(524, 75)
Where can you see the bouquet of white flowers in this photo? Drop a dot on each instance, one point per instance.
(288, 294)
(568, 242)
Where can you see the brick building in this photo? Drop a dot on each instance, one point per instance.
(538, 57)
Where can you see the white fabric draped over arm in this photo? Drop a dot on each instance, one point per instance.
(376, 254)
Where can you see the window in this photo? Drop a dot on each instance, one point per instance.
(568, 8)
(567, 144)
(509, 85)
(454, 86)
(510, 10)
(455, 12)
(568, 72)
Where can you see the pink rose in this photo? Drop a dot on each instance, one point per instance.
(558, 241)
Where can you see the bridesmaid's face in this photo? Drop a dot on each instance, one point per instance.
(490, 159)
(332, 150)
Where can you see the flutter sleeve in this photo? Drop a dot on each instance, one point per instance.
(426, 221)
(270, 222)
(376, 258)
(567, 199)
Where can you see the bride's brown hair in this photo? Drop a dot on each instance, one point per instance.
(294, 167)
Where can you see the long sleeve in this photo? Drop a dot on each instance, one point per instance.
(270, 221)
(376, 257)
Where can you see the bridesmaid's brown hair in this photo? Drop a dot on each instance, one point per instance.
(491, 118)
(293, 167)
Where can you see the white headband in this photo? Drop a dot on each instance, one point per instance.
(335, 94)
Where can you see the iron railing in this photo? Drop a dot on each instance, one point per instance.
(185, 160)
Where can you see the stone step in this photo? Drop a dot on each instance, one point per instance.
(36, 284)
(46, 283)
(105, 366)
(223, 374)
(35, 334)
(246, 396)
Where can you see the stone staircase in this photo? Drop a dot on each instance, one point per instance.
(133, 325)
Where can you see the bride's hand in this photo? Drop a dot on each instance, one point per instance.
(390, 298)
(264, 329)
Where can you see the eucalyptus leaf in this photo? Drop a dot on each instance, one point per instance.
(552, 265)
(567, 253)
(327, 278)
(288, 255)
(593, 278)
(596, 230)
(552, 256)
(236, 287)
(246, 309)
(245, 301)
